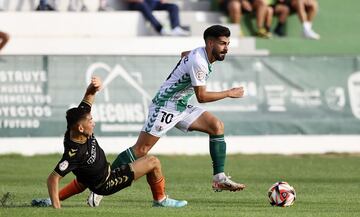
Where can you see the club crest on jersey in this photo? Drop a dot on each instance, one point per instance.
(63, 165)
(200, 75)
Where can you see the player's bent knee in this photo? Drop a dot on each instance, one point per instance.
(154, 161)
(218, 127)
(271, 11)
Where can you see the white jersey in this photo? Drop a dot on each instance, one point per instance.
(192, 70)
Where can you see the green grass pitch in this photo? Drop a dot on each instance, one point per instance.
(326, 185)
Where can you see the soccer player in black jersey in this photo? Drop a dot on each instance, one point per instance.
(84, 157)
(170, 109)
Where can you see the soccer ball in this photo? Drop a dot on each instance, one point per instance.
(281, 194)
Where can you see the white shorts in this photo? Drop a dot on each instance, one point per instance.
(161, 119)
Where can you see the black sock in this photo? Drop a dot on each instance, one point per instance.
(280, 29)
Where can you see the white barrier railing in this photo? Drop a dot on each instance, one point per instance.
(290, 144)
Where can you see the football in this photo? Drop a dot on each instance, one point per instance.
(281, 194)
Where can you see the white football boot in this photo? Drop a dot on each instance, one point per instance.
(93, 199)
(226, 184)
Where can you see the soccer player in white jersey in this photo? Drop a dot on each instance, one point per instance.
(170, 107)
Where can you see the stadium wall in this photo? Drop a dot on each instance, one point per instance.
(286, 98)
(198, 145)
(320, 103)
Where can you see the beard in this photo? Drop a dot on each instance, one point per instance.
(219, 56)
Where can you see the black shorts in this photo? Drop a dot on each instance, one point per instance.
(120, 178)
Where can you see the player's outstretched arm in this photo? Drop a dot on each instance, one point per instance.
(94, 86)
(204, 96)
(53, 189)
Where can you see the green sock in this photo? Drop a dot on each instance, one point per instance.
(124, 157)
(218, 153)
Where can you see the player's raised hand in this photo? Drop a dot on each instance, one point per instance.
(236, 92)
(96, 83)
(94, 86)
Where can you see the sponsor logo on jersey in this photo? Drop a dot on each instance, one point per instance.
(92, 157)
(116, 181)
(63, 165)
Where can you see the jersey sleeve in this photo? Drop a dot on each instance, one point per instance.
(85, 105)
(65, 165)
(198, 72)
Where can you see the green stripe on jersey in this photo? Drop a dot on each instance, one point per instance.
(162, 97)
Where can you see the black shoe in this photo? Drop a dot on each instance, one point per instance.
(280, 30)
(40, 8)
(45, 8)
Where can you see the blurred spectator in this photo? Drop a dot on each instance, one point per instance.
(44, 6)
(4, 5)
(103, 6)
(4, 38)
(148, 6)
(282, 11)
(21, 3)
(306, 11)
(264, 15)
(232, 8)
(75, 5)
(262, 9)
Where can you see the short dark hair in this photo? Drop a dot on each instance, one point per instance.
(74, 115)
(216, 31)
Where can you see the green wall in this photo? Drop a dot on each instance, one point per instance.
(284, 95)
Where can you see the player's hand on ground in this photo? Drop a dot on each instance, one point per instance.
(236, 92)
